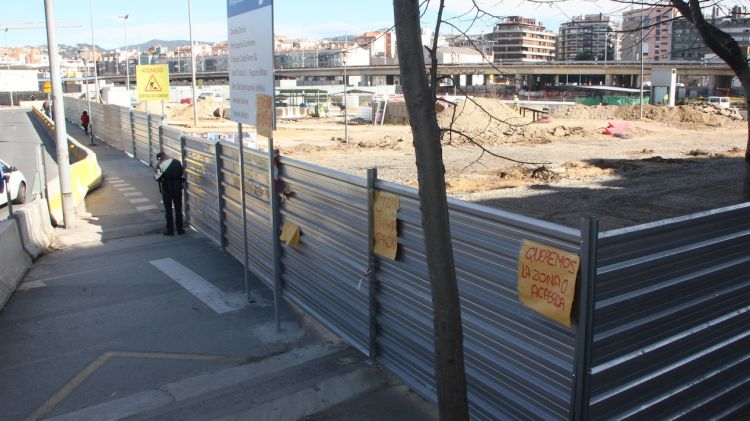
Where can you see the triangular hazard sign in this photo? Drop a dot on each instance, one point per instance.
(153, 85)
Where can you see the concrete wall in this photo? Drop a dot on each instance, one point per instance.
(22, 238)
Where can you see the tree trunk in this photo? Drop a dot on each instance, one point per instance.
(420, 102)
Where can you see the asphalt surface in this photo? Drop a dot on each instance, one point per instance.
(121, 322)
(21, 138)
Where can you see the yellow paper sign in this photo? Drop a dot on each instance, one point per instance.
(290, 234)
(386, 235)
(47, 87)
(547, 280)
(264, 117)
(152, 82)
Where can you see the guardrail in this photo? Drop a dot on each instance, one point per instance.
(85, 173)
(660, 328)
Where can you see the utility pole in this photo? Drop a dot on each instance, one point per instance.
(192, 58)
(93, 48)
(61, 134)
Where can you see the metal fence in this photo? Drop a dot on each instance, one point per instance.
(671, 322)
(660, 328)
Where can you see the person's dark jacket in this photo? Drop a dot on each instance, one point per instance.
(169, 175)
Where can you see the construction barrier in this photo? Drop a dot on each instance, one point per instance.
(85, 173)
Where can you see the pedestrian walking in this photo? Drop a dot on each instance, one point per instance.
(170, 176)
(85, 122)
(46, 107)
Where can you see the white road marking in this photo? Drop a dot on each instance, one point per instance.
(23, 286)
(146, 208)
(140, 200)
(133, 193)
(119, 183)
(205, 291)
(125, 188)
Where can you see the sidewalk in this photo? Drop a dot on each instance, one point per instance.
(119, 321)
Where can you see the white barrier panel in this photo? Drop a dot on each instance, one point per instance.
(14, 261)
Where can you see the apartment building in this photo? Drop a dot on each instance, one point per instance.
(381, 44)
(522, 39)
(648, 30)
(589, 37)
(687, 44)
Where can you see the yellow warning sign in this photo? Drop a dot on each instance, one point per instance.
(47, 87)
(152, 82)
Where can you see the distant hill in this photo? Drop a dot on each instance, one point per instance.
(164, 43)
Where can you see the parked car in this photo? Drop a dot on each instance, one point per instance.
(16, 184)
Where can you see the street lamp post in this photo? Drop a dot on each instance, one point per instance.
(81, 53)
(124, 19)
(93, 49)
(640, 106)
(192, 58)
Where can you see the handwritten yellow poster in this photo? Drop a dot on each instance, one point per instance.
(290, 234)
(264, 115)
(152, 82)
(386, 235)
(547, 280)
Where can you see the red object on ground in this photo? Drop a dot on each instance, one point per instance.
(186, 101)
(616, 128)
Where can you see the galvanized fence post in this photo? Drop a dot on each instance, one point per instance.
(244, 215)
(585, 329)
(132, 132)
(372, 175)
(219, 201)
(275, 217)
(148, 130)
(186, 189)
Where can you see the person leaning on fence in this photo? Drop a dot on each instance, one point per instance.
(85, 122)
(170, 176)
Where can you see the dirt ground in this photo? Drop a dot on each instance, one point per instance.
(671, 163)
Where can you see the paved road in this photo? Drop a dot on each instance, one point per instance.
(121, 322)
(20, 139)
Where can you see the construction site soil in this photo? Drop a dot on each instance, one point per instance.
(673, 162)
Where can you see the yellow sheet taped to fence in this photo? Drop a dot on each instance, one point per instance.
(547, 280)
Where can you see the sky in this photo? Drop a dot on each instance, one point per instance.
(168, 19)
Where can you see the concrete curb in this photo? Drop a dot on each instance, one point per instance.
(14, 260)
(36, 229)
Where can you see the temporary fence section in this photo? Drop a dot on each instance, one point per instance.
(140, 126)
(671, 319)
(518, 363)
(660, 325)
(257, 196)
(203, 191)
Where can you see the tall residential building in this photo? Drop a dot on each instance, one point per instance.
(688, 45)
(651, 26)
(522, 39)
(589, 37)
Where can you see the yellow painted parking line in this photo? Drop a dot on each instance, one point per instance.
(69, 387)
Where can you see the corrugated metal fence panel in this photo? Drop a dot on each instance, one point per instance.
(140, 135)
(201, 193)
(155, 139)
(672, 319)
(327, 272)
(257, 210)
(519, 365)
(97, 119)
(170, 141)
(109, 131)
(125, 130)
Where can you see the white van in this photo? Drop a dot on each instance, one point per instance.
(719, 101)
